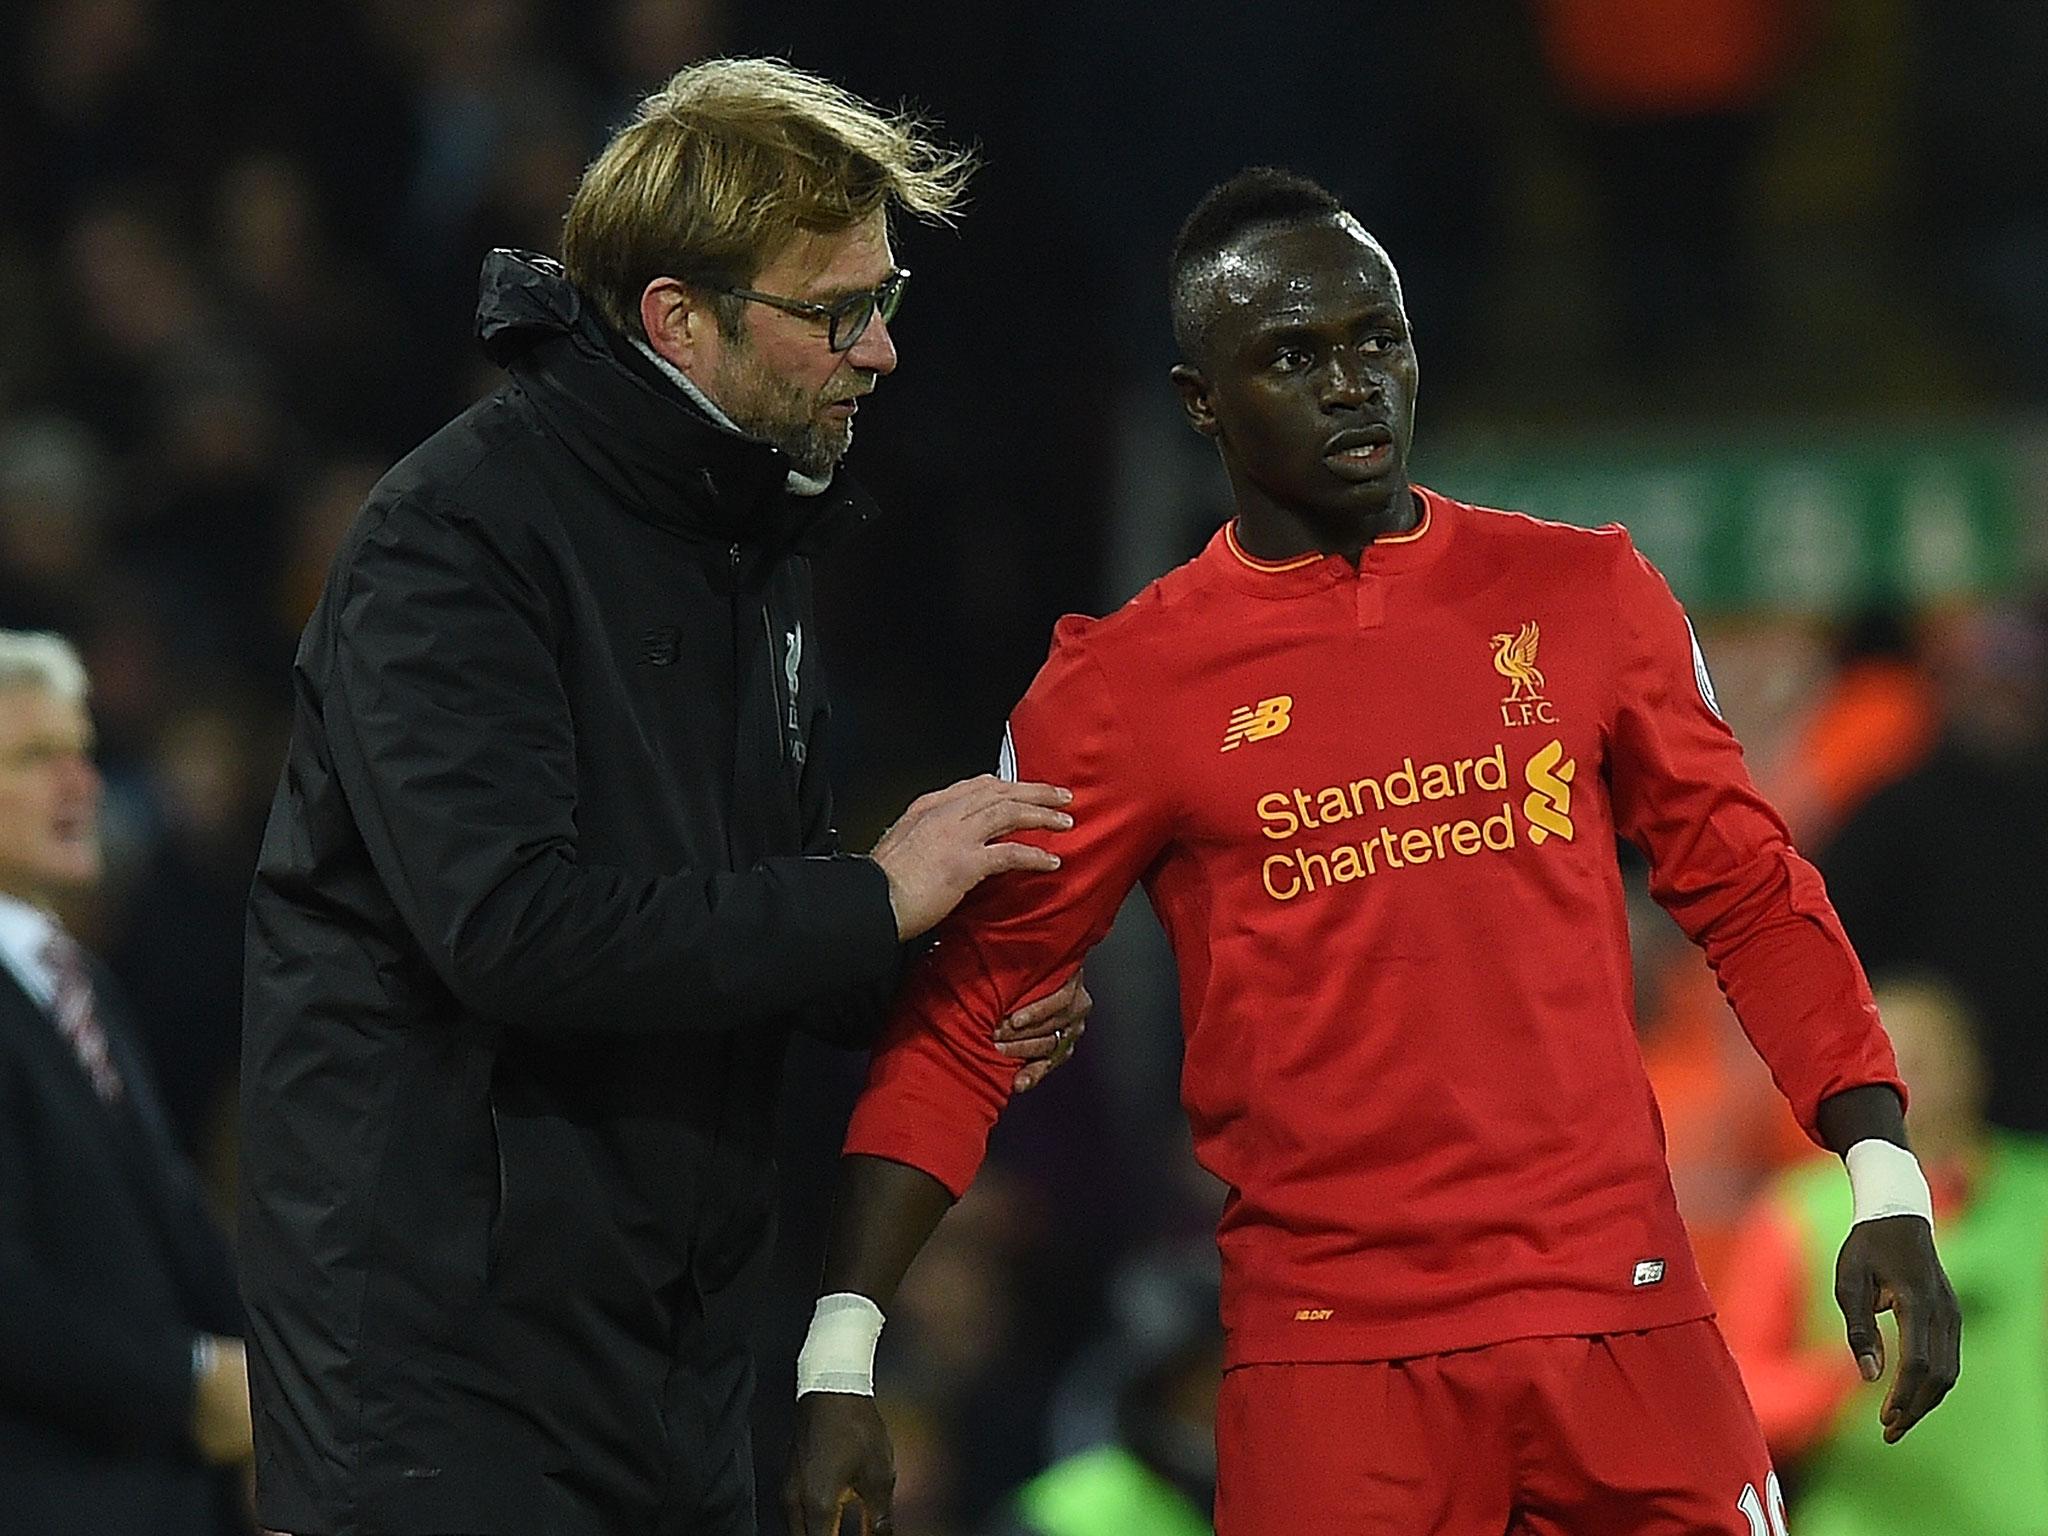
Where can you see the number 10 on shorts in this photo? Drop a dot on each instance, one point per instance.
(1753, 1508)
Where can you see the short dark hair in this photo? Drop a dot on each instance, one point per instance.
(1256, 198)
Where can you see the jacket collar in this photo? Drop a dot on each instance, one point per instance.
(664, 459)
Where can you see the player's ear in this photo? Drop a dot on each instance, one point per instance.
(1194, 398)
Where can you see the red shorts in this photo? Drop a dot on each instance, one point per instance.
(1635, 1434)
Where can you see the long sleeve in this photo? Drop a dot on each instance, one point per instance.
(455, 744)
(937, 1083)
(1722, 863)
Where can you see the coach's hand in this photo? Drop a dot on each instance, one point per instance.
(946, 844)
(1043, 1034)
(840, 1456)
(1889, 1265)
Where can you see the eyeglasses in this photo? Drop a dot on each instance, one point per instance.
(846, 319)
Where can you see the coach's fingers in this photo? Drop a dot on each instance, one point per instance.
(1031, 792)
(973, 795)
(1009, 816)
(998, 858)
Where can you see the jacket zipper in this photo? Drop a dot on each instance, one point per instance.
(494, 1242)
(775, 688)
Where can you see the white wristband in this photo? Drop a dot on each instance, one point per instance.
(1885, 1180)
(839, 1352)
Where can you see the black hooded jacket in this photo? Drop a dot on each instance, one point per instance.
(549, 878)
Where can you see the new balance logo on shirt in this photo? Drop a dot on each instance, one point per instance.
(1256, 722)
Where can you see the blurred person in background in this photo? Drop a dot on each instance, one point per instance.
(551, 874)
(55, 489)
(339, 357)
(1979, 156)
(126, 239)
(315, 526)
(1980, 1466)
(1872, 722)
(1668, 118)
(485, 91)
(647, 40)
(124, 1406)
(1942, 870)
(204, 532)
(1457, 1291)
(1155, 1473)
(94, 89)
(175, 928)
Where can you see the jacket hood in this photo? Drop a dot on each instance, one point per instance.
(665, 460)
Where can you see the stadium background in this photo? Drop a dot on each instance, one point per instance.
(1770, 289)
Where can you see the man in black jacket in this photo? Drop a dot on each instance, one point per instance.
(551, 872)
(124, 1408)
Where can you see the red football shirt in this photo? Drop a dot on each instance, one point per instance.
(1375, 809)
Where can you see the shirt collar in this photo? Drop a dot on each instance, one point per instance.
(25, 931)
(1392, 555)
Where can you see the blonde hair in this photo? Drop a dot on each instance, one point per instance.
(726, 164)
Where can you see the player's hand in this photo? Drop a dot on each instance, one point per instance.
(947, 843)
(1889, 1265)
(1043, 1034)
(840, 1455)
(220, 1406)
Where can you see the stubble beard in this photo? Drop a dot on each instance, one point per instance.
(776, 412)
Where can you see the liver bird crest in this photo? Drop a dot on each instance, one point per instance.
(1514, 658)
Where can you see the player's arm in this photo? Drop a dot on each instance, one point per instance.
(884, 1215)
(1722, 863)
(939, 1081)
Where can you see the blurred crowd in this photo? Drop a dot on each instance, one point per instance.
(238, 250)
